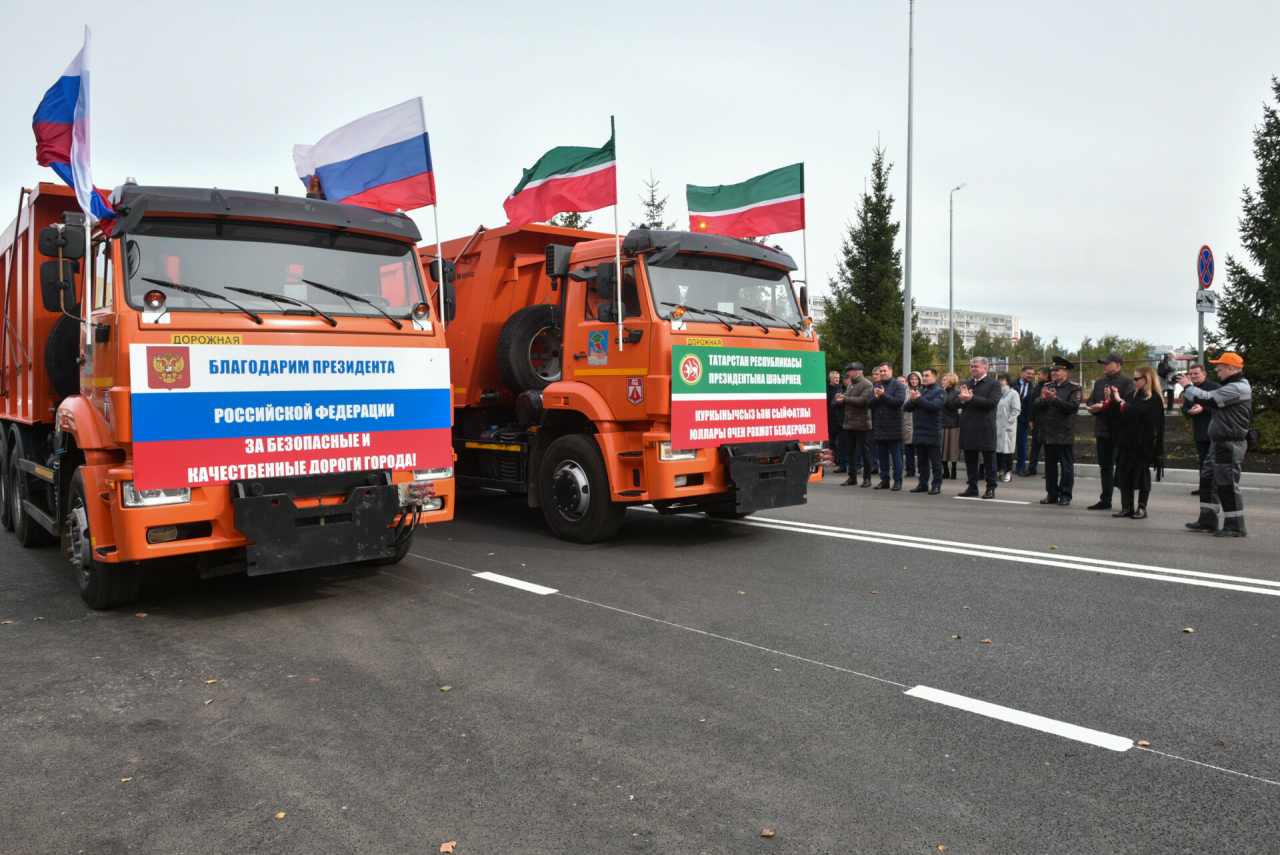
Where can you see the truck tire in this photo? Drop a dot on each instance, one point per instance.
(102, 585)
(62, 356)
(574, 489)
(6, 507)
(530, 348)
(29, 532)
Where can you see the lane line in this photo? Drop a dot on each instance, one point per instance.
(999, 501)
(1209, 765)
(736, 641)
(515, 583)
(1069, 564)
(1036, 722)
(1010, 551)
(1059, 728)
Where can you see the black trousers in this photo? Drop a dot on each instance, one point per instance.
(988, 460)
(1034, 460)
(1129, 479)
(929, 463)
(1059, 470)
(858, 442)
(1106, 467)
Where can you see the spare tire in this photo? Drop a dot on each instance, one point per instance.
(62, 356)
(530, 348)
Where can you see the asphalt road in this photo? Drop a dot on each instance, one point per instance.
(686, 686)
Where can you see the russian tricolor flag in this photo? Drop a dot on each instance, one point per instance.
(61, 125)
(381, 161)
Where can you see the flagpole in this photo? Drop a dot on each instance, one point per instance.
(804, 244)
(435, 217)
(617, 236)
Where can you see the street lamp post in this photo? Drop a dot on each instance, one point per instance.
(951, 290)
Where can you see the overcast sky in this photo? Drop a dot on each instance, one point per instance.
(1103, 143)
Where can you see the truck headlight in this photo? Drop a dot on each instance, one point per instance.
(666, 452)
(150, 498)
(810, 446)
(433, 474)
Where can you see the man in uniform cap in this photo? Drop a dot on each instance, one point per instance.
(1113, 378)
(1055, 416)
(1228, 432)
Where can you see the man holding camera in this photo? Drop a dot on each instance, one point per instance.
(1228, 441)
(1113, 378)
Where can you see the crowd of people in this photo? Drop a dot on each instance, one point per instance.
(922, 425)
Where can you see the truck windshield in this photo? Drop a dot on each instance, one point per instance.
(273, 259)
(724, 285)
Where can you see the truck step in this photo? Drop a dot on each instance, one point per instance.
(46, 521)
(44, 473)
(631, 454)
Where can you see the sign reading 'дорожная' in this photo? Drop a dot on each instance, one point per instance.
(724, 395)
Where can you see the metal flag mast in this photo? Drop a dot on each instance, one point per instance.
(435, 217)
(906, 296)
(617, 237)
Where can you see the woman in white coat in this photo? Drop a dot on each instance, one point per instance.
(1007, 427)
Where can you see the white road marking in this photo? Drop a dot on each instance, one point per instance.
(1025, 719)
(1070, 562)
(1001, 501)
(918, 691)
(515, 583)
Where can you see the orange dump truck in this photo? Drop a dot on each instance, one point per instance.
(689, 379)
(227, 382)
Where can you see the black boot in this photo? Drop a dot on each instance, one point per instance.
(1140, 513)
(953, 471)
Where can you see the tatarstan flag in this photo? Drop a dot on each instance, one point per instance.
(768, 204)
(567, 178)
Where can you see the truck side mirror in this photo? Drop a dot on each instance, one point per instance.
(57, 285)
(127, 219)
(448, 298)
(69, 240)
(607, 283)
(448, 301)
(605, 313)
(804, 300)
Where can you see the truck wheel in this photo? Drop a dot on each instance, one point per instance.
(62, 356)
(574, 489)
(29, 532)
(529, 348)
(102, 585)
(6, 507)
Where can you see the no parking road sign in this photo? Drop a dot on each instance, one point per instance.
(1204, 267)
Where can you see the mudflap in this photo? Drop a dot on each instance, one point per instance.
(285, 537)
(767, 475)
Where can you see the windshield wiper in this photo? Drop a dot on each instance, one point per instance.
(794, 328)
(738, 318)
(347, 295)
(200, 292)
(727, 325)
(288, 301)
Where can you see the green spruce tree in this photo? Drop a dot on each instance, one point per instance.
(655, 209)
(570, 220)
(864, 308)
(1249, 312)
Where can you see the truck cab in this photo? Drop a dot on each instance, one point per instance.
(234, 382)
(563, 350)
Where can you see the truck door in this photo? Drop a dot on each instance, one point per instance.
(592, 343)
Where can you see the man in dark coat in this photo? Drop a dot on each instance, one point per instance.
(1025, 387)
(1055, 415)
(1042, 380)
(1113, 377)
(979, 396)
(857, 423)
(887, 399)
(925, 405)
(1199, 412)
(835, 422)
